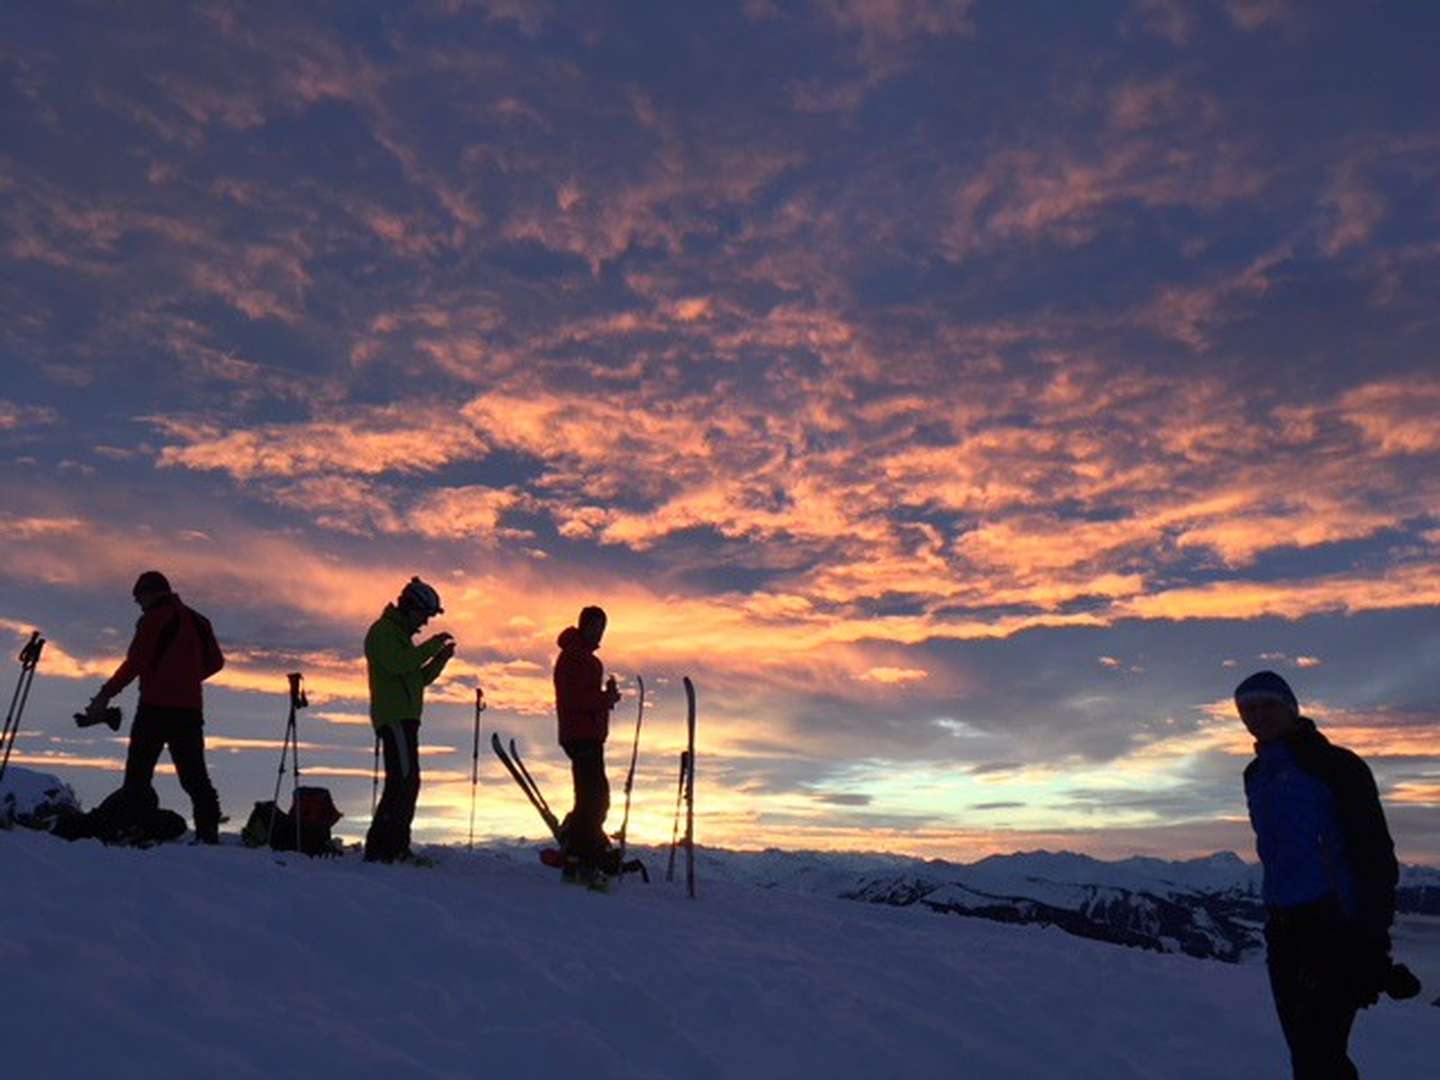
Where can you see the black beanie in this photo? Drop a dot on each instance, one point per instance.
(151, 581)
(1266, 686)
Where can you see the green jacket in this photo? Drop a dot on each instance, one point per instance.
(399, 670)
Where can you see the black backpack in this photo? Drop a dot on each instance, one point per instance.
(129, 817)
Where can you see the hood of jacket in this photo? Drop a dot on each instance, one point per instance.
(571, 640)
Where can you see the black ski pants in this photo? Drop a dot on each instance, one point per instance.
(1308, 958)
(389, 835)
(183, 731)
(585, 836)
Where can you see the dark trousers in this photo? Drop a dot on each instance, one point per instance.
(1307, 954)
(585, 827)
(183, 731)
(389, 835)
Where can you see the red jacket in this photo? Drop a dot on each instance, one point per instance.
(174, 650)
(581, 702)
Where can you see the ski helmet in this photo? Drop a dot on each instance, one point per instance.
(421, 597)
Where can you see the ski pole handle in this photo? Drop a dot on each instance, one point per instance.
(30, 654)
(298, 699)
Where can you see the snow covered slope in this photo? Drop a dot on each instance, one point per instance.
(183, 961)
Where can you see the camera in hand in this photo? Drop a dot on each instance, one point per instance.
(110, 717)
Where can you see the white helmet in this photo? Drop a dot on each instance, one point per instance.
(421, 597)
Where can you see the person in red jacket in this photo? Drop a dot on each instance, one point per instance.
(583, 700)
(173, 652)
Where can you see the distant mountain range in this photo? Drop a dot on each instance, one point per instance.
(1208, 908)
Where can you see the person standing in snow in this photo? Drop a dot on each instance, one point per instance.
(172, 653)
(583, 701)
(1329, 877)
(399, 670)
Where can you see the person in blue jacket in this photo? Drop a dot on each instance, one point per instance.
(1329, 877)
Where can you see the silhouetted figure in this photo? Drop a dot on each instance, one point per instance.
(583, 700)
(173, 652)
(399, 671)
(1330, 877)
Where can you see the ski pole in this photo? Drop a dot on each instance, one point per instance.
(298, 701)
(475, 761)
(29, 661)
(630, 776)
(289, 747)
(675, 830)
(375, 778)
(690, 791)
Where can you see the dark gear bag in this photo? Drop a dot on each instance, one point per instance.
(316, 812)
(317, 816)
(127, 816)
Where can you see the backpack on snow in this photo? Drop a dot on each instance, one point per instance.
(129, 817)
(317, 816)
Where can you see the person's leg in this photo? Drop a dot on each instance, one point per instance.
(410, 788)
(186, 737)
(592, 798)
(147, 739)
(1284, 985)
(382, 842)
(1312, 1001)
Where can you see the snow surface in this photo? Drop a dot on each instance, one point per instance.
(184, 961)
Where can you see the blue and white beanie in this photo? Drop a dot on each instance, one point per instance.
(1266, 686)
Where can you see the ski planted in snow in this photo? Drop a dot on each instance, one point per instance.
(630, 776)
(675, 828)
(690, 788)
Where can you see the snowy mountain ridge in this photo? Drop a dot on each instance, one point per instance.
(1207, 907)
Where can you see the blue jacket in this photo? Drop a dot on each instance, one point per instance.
(1320, 829)
(1297, 832)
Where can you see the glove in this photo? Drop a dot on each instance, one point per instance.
(1402, 983)
(1369, 968)
(95, 711)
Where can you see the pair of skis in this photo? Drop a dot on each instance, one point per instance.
(515, 766)
(685, 793)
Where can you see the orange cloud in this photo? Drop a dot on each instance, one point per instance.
(893, 676)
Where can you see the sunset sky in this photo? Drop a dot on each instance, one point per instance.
(965, 394)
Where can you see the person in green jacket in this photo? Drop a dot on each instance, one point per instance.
(399, 671)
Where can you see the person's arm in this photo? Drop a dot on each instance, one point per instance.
(1370, 850)
(212, 658)
(138, 656)
(436, 664)
(392, 652)
(1370, 855)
